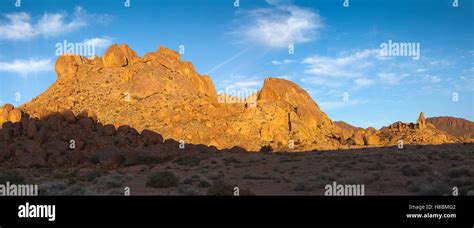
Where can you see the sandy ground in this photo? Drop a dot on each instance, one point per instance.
(413, 170)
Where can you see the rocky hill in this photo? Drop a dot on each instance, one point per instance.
(161, 93)
(454, 126)
(164, 94)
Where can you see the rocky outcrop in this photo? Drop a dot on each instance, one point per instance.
(415, 133)
(56, 141)
(114, 57)
(163, 93)
(421, 122)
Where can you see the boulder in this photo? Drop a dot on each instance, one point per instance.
(69, 116)
(8, 107)
(371, 140)
(130, 54)
(151, 137)
(357, 139)
(14, 115)
(87, 124)
(109, 130)
(66, 66)
(110, 156)
(114, 57)
(169, 53)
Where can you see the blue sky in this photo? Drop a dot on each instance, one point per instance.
(336, 54)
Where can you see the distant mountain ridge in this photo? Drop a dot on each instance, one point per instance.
(453, 125)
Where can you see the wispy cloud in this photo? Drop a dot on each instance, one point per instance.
(349, 65)
(280, 25)
(285, 61)
(391, 78)
(363, 82)
(330, 105)
(21, 26)
(26, 67)
(98, 42)
(432, 78)
(240, 82)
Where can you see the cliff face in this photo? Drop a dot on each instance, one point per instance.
(161, 93)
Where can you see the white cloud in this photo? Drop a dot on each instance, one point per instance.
(432, 78)
(26, 67)
(285, 61)
(342, 66)
(240, 82)
(329, 105)
(20, 26)
(421, 70)
(363, 82)
(280, 25)
(391, 78)
(98, 42)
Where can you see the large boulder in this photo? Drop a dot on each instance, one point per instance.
(371, 140)
(66, 66)
(110, 156)
(114, 57)
(14, 115)
(151, 137)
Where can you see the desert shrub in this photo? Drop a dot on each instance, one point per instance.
(459, 172)
(221, 189)
(12, 176)
(228, 161)
(266, 149)
(437, 189)
(188, 181)
(74, 191)
(187, 190)
(93, 175)
(412, 187)
(204, 184)
(94, 159)
(408, 170)
(147, 160)
(113, 181)
(162, 180)
(375, 166)
(115, 192)
(303, 187)
(224, 189)
(187, 161)
(255, 177)
(51, 188)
